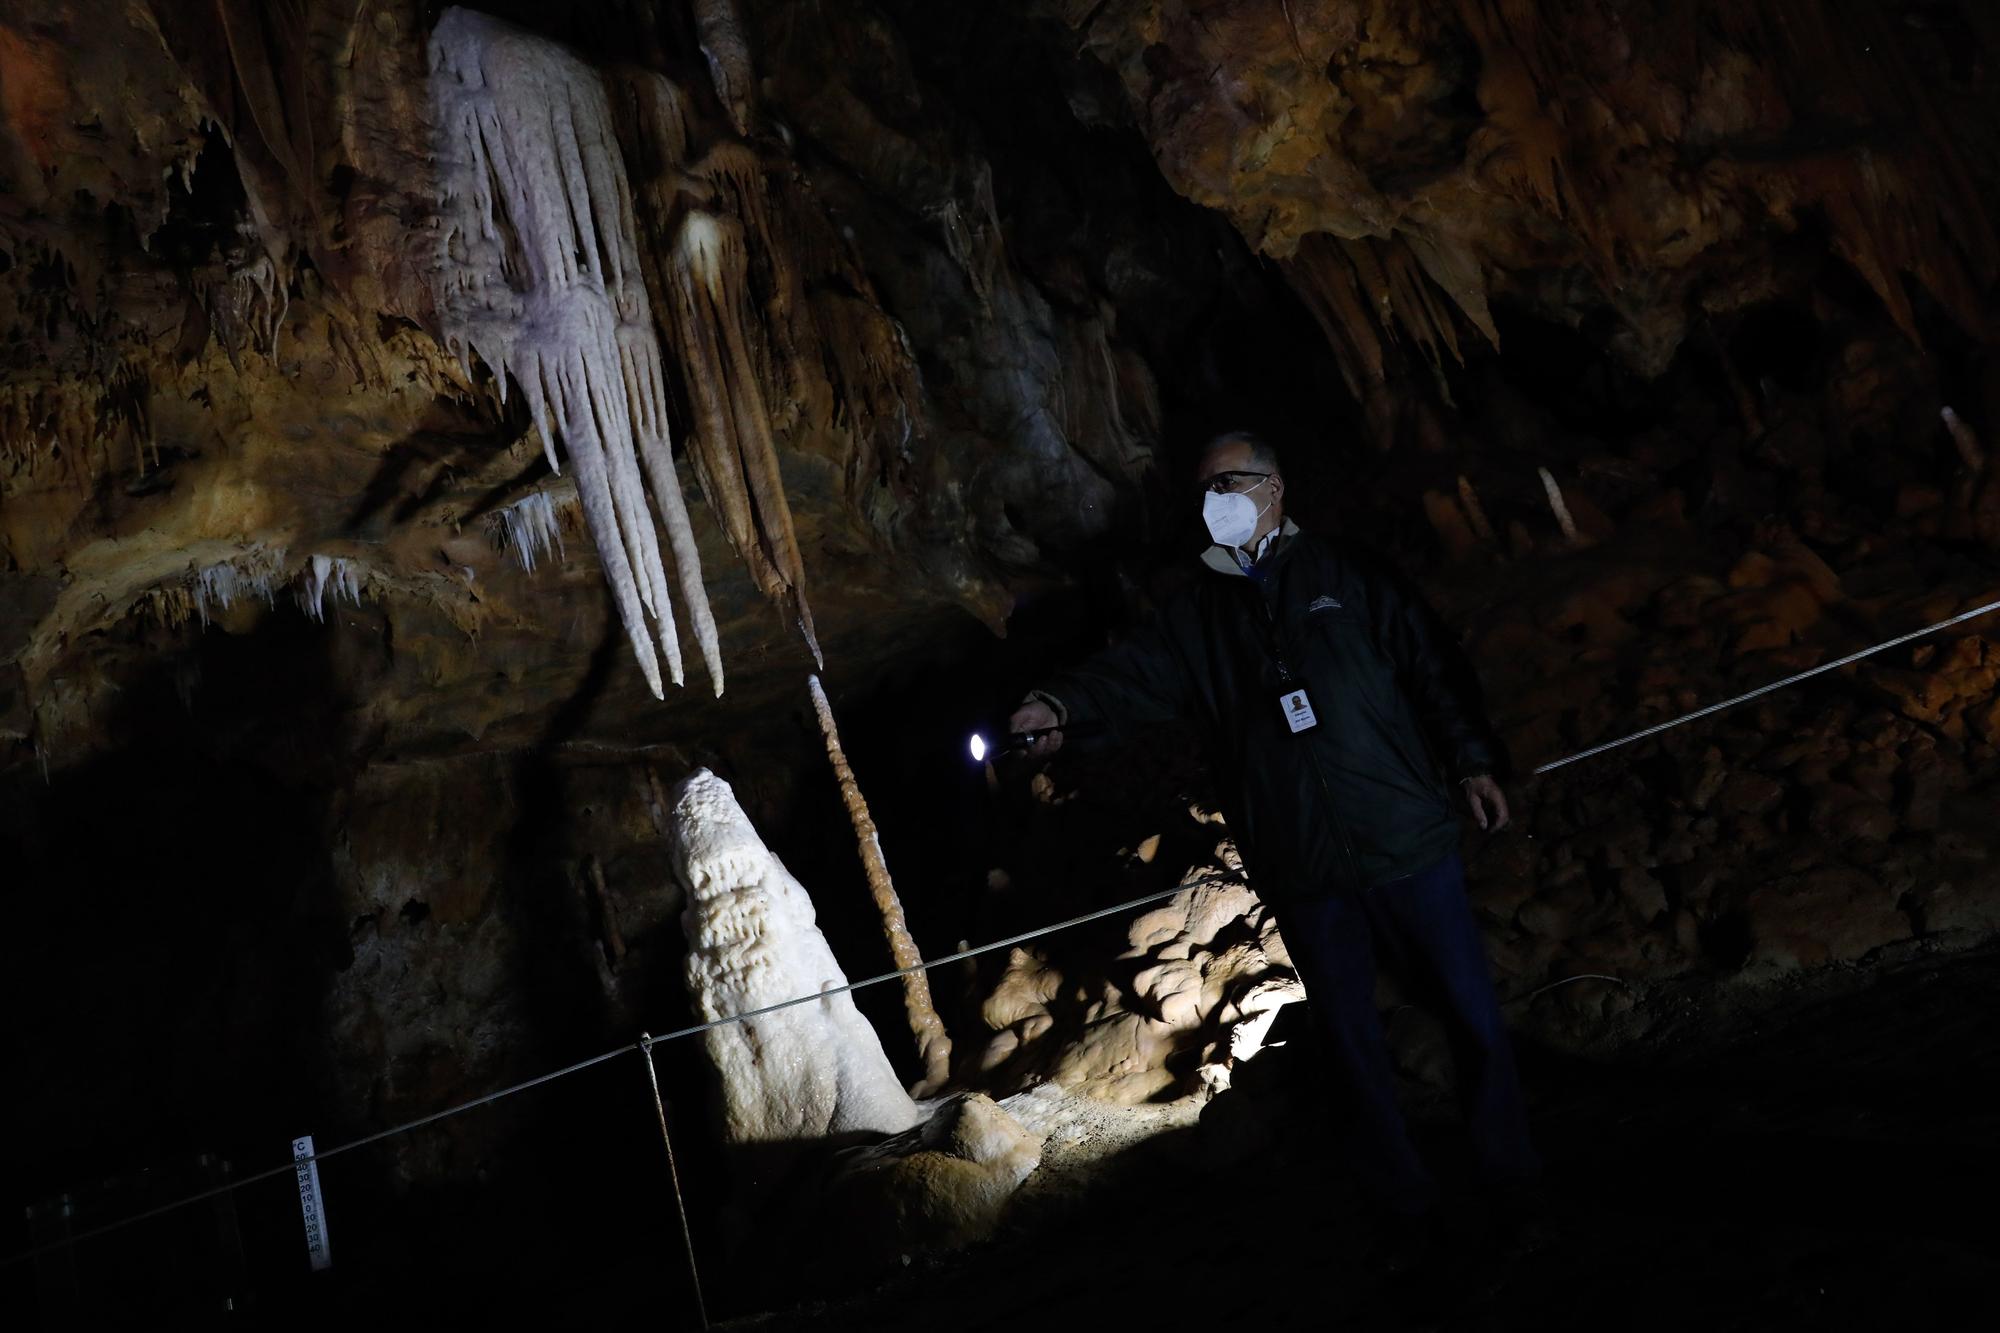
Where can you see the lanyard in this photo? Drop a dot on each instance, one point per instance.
(1267, 624)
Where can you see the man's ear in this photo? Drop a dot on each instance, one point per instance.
(1277, 485)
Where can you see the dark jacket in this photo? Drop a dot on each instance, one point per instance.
(1367, 795)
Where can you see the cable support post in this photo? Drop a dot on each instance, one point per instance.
(673, 1175)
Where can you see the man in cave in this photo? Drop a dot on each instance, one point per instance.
(1344, 727)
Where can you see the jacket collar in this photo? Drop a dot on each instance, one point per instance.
(1222, 559)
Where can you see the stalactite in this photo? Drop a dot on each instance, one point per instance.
(220, 586)
(1369, 294)
(540, 274)
(732, 180)
(653, 130)
(1325, 279)
(1408, 294)
(1093, 387)
(666, 486)
(1556, 505)
(767, 485)
(707, 224)
(720, 30)
(718, 461)
(1915, 211)
(933, 1043)
(256, 573)
(1965, 441)
(207, 591)
(1475, 512)
(1578, 103)
(844, 361)
(65, 418)
(732, 447)
(529, 527)
(1513, 72)
(321, 575)
(1454, 270)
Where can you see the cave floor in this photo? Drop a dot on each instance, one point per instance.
(1829, 1160)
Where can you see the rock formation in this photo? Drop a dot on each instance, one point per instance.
(813, 1076)
(539, 271)
(1195, 991)
(803, 1073)
(1411, 164)
(933, 1043)
(1655, 341)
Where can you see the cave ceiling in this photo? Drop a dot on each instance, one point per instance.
(979, 250)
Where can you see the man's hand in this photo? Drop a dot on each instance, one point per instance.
(1037, 716)
(1489, 805)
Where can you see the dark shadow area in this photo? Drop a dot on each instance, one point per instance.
(1765, 1181)
(170, 939)
(174, 937)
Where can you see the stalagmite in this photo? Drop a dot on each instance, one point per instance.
(933, 1043)
(1563, 519)
(801, 1073)
(539, 273)
(867, 1175)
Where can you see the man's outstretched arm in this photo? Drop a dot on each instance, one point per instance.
(1144, 679)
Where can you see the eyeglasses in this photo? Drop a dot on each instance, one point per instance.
(1223, 483)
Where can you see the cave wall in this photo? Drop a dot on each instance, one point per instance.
(1631, 170)
(373, 860)
(224, 361)
(260, 560)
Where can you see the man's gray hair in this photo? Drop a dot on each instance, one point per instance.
(1263, 455)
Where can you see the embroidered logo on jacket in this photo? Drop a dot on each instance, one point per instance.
(1325, 604)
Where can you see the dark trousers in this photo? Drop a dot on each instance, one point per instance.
(1421, 928)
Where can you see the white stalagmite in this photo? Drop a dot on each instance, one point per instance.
(539, 274)
(801, 1073)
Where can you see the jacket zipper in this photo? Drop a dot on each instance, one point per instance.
(1286, 679)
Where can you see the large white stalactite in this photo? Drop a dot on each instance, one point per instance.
(539, 273)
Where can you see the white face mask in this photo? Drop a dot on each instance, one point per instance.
(1232, 518)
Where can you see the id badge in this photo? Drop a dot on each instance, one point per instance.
(1298, 710)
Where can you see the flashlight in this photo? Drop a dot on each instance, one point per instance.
(983, 749)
